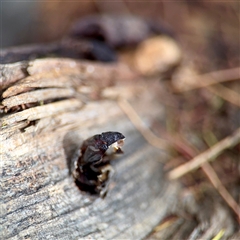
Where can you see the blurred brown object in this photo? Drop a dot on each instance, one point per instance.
(56, 17)
(117, 31)
(157, 56)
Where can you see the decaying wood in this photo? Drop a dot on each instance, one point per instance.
(11, 73)
(49, 107)
(63, 105)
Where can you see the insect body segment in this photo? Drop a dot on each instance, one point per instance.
(93, 169)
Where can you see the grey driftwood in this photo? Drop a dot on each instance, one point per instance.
(49, 107)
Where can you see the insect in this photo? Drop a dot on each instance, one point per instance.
(92, 170)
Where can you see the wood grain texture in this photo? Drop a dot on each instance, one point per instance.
(11, 73)
(39, 199)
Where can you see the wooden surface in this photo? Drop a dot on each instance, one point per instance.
(62, 103)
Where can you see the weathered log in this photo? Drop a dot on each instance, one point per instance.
(47, 116)
(49, 107)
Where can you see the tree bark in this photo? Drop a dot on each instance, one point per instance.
(48, 108)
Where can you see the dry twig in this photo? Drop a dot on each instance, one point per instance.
(206, 156)
(216, 182)
(199, 161)
(138, 123)
(212, 78)
(225, 93)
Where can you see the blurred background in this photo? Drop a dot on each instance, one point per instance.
(207, 34)
(209, 30)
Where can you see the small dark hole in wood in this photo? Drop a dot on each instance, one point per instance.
(71, 145)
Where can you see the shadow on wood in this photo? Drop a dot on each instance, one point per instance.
(40, 199)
